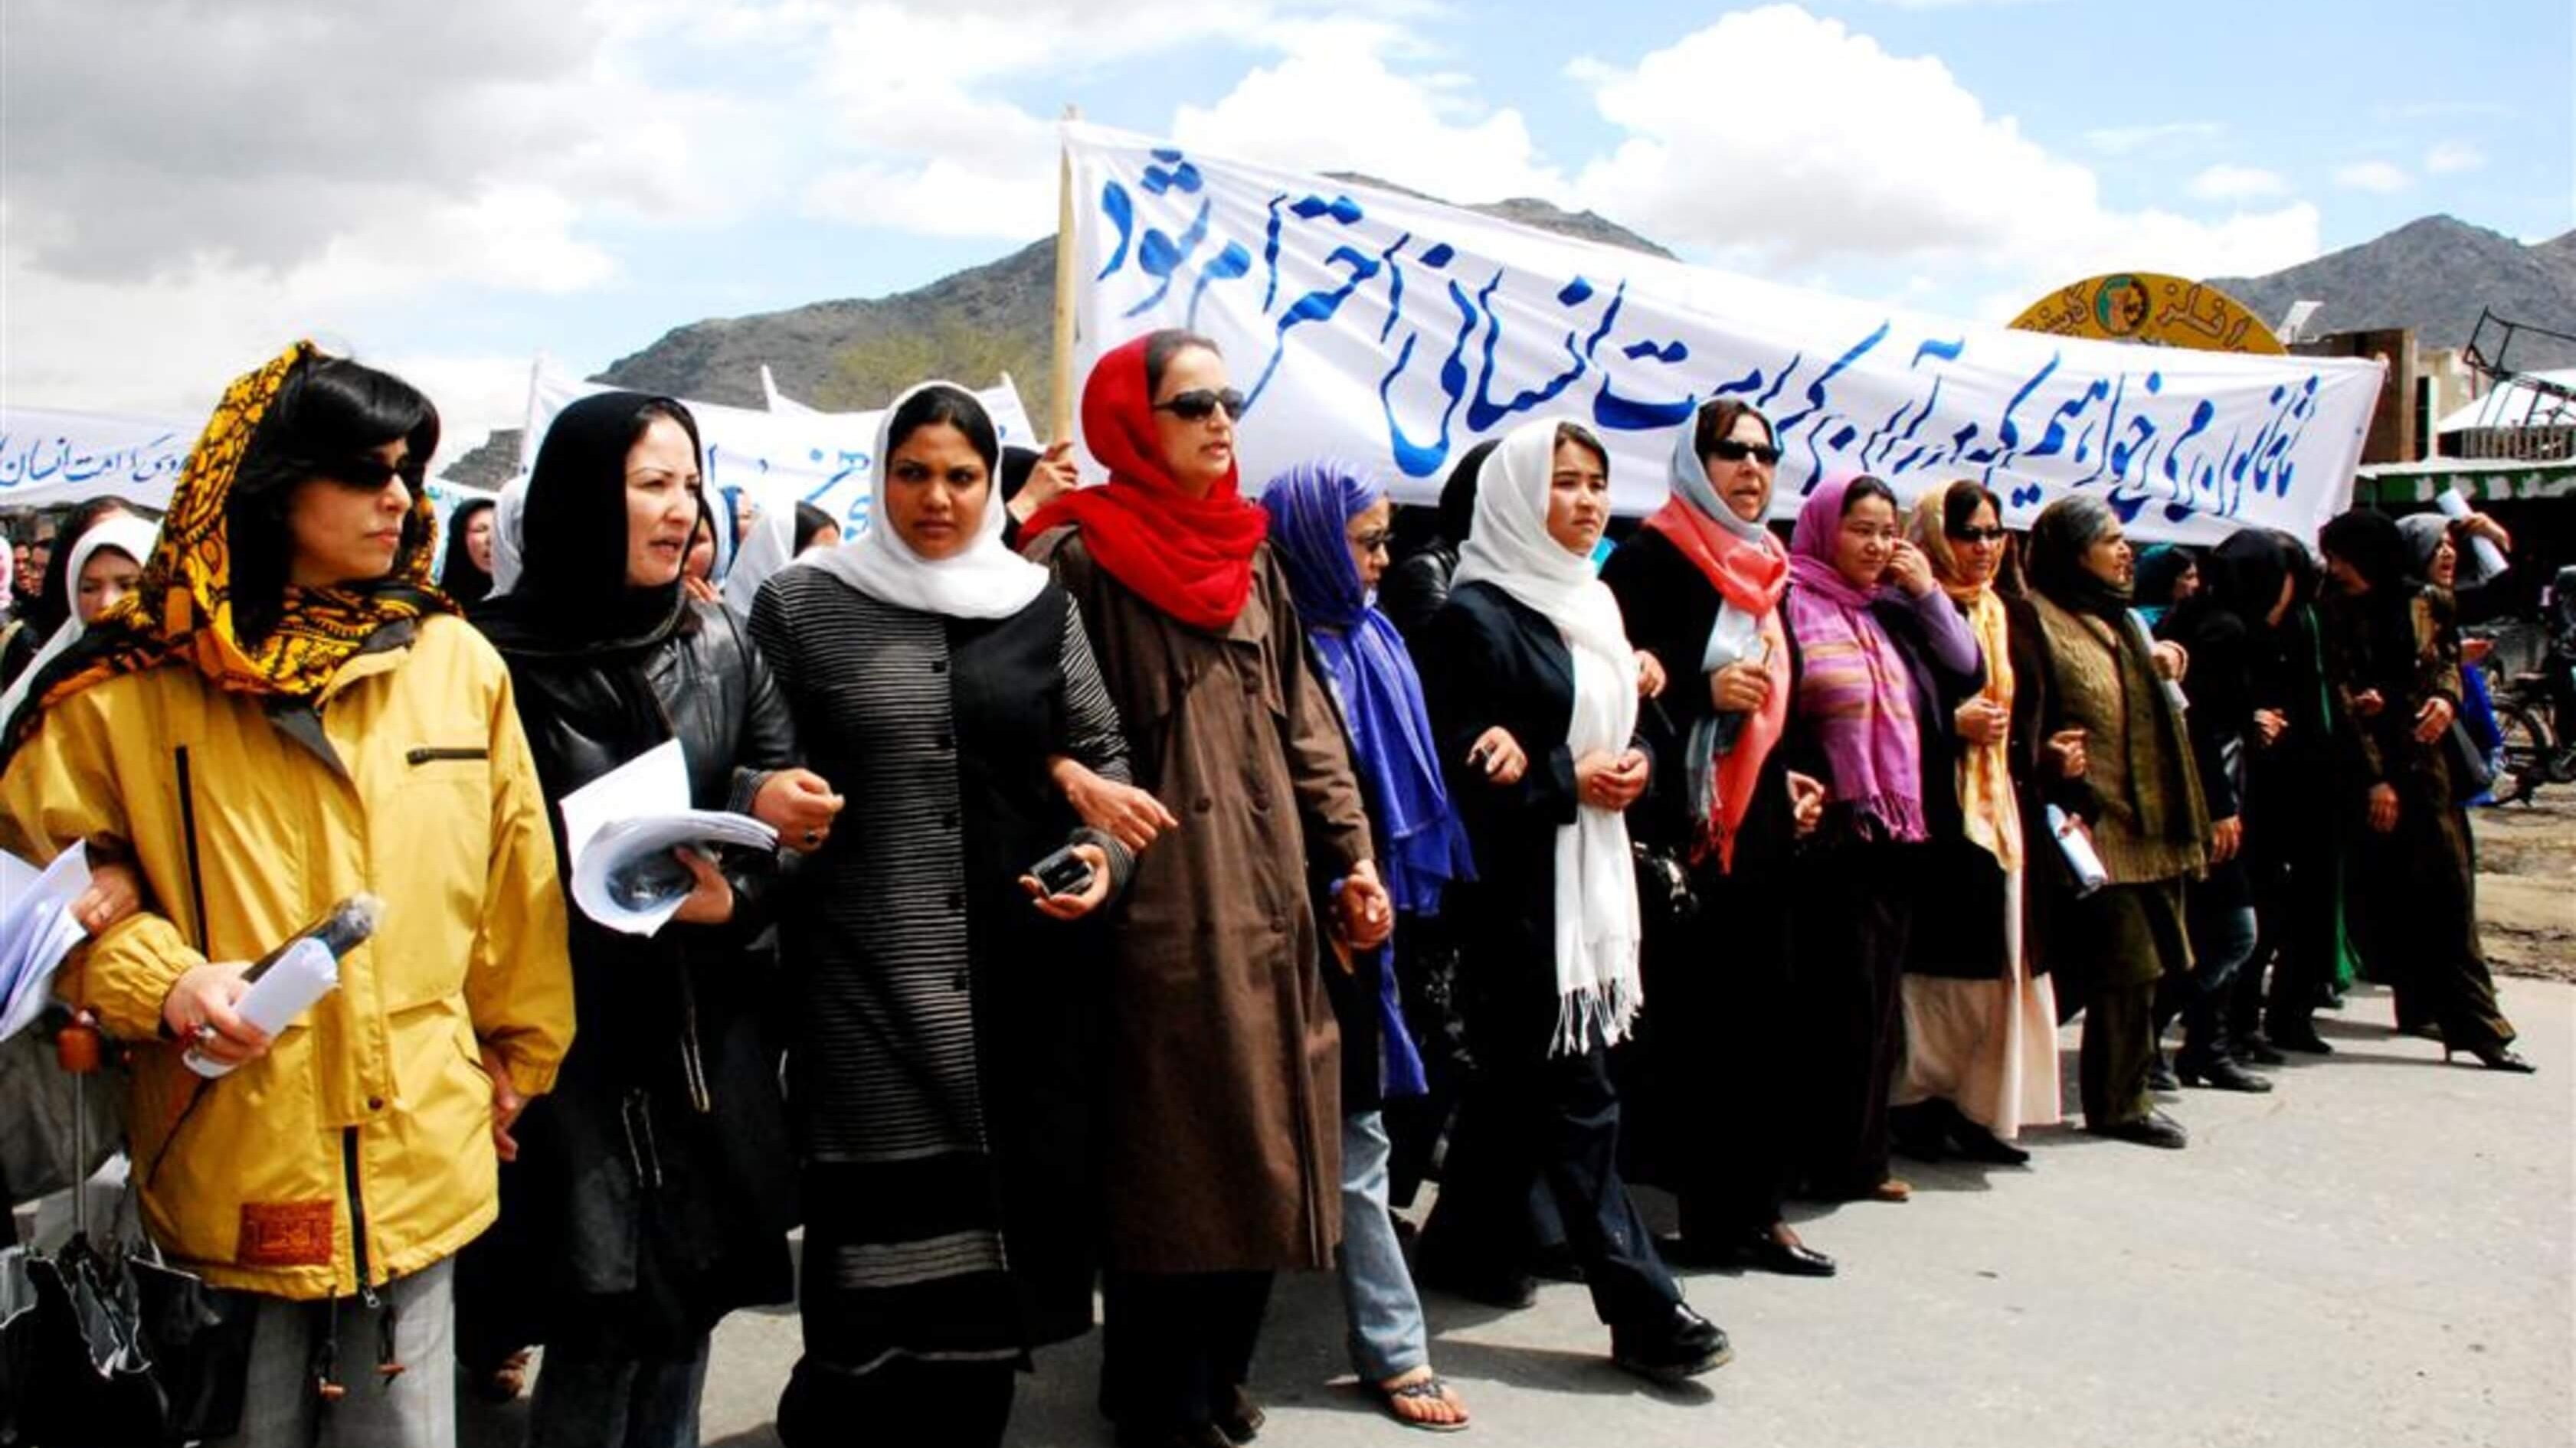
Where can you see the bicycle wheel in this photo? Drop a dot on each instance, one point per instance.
(2529, 747)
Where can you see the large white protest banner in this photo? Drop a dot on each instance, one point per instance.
(50, 458)
(778, 458)
(1396, 332)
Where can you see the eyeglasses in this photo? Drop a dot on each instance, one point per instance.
(371, 474)
(1979, 535)
(1372, 542)
(1199, 404)
(1728, 450)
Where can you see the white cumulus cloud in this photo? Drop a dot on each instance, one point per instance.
(2378, 176)
(2452, 157)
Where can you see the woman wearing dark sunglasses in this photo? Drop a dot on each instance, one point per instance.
(1701, 584)
(1221, 1112)
(1980, 1017)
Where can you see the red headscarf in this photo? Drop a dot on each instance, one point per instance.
(1189, 557)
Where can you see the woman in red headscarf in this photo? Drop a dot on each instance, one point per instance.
(1221, 1111)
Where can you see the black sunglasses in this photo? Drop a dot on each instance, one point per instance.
(371, 474)
(1979, 535)
(1200, 404)
(1728, 450)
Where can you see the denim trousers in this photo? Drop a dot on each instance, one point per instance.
(605, 1401)
(1387, 1336)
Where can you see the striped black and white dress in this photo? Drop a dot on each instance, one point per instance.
(943, 1068)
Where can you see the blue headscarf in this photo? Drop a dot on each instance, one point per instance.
(1364, 662)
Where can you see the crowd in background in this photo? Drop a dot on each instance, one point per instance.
(1170, 881)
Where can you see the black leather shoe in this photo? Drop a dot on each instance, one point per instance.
(2495, 1058)
(1766, 1253)
(1677, 1346)
(1921, 1131)
(1489, 1286)
(2160, 1074)
(1242, 1419)
(2255, 1050)
(2153, 1129)
(2221, 1073)
(1978, 1144)
(2299, 1036)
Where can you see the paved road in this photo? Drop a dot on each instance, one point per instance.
(2377, 1253)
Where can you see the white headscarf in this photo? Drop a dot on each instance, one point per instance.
(509, 534)
(128, 534)
(983, 580)
(771, 547)
(1597, 925)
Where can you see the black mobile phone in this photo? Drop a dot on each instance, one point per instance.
(1063, 873)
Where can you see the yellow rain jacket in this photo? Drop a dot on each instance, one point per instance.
(359, 1148)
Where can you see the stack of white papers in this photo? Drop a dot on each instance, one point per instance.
(633, 815)
(36, 931)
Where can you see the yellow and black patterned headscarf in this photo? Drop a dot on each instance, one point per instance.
(182, 607)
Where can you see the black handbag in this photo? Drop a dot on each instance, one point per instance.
(1664, 892)
(2471, 775)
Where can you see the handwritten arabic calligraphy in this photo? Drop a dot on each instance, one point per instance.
(30, 458)
(1329, 293)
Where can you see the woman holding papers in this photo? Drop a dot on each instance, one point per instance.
(1222, 1142)
(1701, 584)
(654, 1190)
(282, 715)
(1980, 1011)
(950, 1003)
(2139, 805)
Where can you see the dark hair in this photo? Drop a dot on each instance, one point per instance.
(1458, 495)
(1717, 423)
(810, 520)
(1866, 486)
(1959, 504)
(958, 409)
(53, 603)
(1581, 436)
(329, 411)
(459, 577)
(1017, 463)
(1161, 347)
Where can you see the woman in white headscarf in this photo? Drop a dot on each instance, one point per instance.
(105, 562)
(1533, 686)
(950, 998)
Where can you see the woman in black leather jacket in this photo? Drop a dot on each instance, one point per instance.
(654, 1189)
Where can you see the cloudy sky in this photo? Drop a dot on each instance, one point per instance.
(448, 188)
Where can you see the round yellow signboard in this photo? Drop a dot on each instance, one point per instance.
(2148, 307)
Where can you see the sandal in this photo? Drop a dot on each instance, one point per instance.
(505, 1381)
(1434, 1389)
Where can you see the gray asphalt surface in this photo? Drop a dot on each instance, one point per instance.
(2378, 1252)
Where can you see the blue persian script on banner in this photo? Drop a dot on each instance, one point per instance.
(49, 458)
(1396, 331)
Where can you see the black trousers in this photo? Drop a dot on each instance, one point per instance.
(1176, 1346)
(900, 1401)
(1552, 1120)
(1855, 915)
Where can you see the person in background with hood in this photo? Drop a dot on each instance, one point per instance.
(1221, 1118)
(2140, 805)
(1701, 584)
(655, 1189)
(2393, 657)
(285, 686)
(1418, 583)
(465, 574)
(2168, 573)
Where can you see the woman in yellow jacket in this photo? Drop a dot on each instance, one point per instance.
(283, 714)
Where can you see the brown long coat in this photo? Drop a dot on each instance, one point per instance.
(1222, 1113)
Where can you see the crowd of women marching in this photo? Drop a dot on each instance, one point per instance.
(1170, 882)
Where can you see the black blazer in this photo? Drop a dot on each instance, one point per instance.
(1486, 659)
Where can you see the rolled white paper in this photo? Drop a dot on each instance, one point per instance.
(2089, 874)
(307, 972)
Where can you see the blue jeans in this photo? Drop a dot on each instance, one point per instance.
(586, 1401)
(2222, 940)
(1387, 1336)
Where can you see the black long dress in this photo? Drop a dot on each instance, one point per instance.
(1530, 1117)
(947, 1060)
(1702, 1087)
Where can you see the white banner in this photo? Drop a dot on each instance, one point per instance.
(778, 458)
(1396, 332)
(52, 459)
